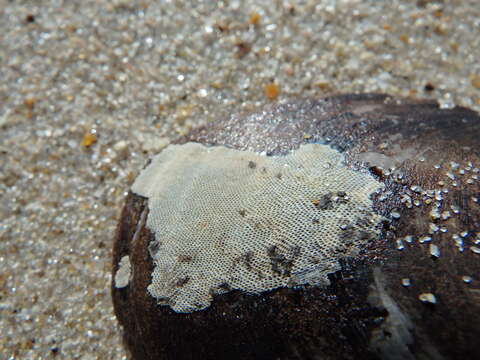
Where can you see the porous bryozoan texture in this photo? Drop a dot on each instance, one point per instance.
(226, 219)
(124, 272)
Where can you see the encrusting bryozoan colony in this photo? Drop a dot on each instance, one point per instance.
(227, 219)
(124, 272)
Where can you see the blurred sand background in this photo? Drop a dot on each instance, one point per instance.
(91, 89)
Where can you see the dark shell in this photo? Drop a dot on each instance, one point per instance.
(365, 312)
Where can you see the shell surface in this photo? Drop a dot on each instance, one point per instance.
(426, 161)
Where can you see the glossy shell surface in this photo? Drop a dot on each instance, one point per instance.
(403, 295)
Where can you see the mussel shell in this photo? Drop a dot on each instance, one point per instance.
(411, 146)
